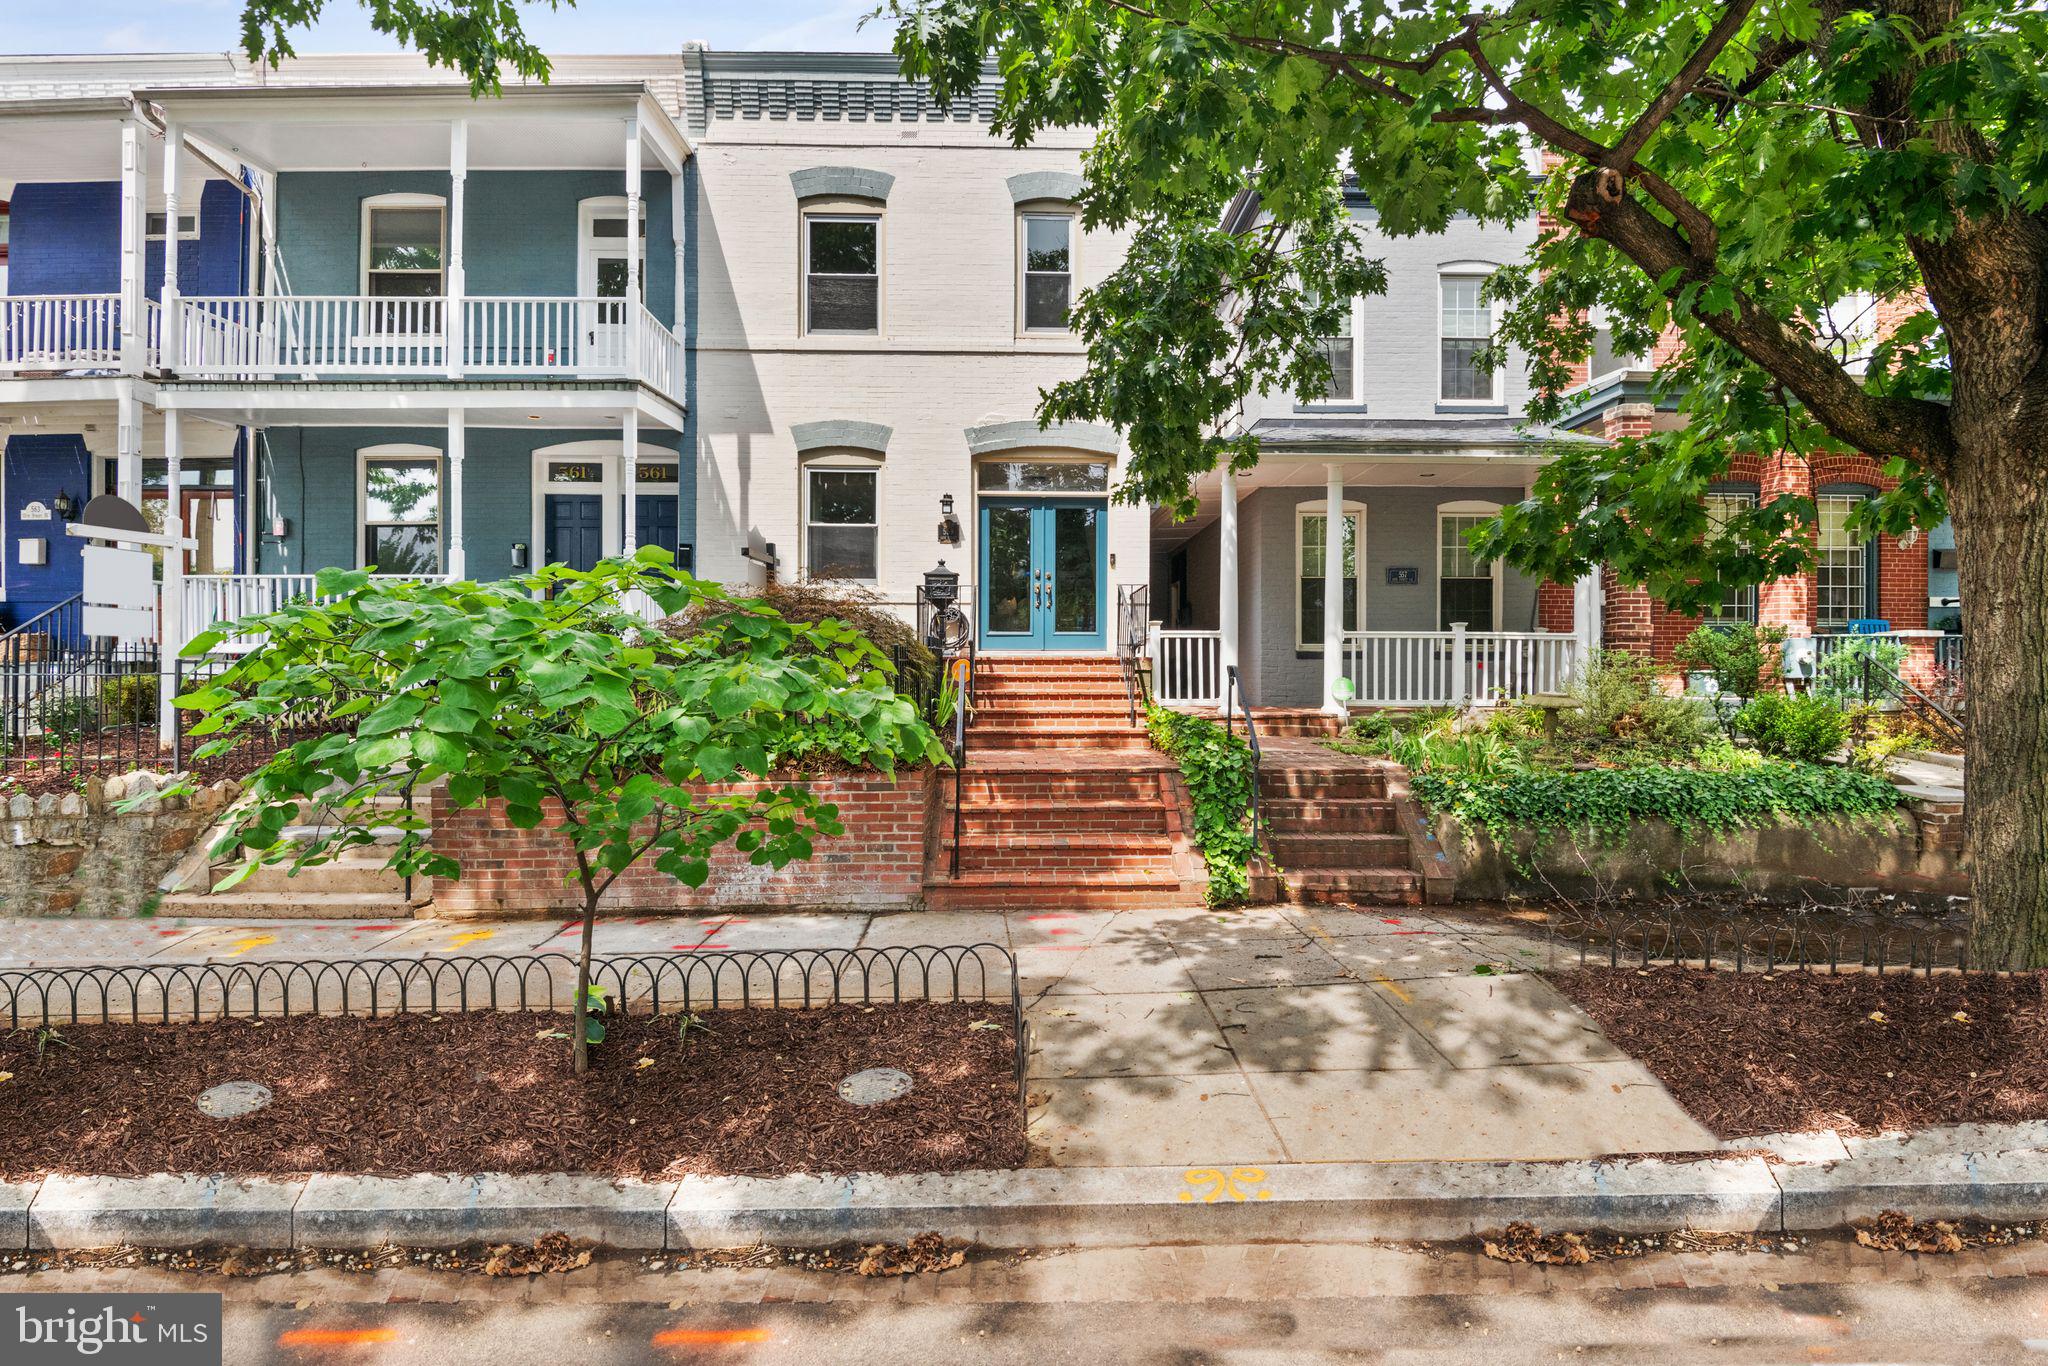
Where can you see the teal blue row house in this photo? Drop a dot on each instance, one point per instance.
(365, 324)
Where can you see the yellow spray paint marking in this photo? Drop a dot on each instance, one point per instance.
(254, 941)
(1391, 985)
(472, 937)
(1210, 1184)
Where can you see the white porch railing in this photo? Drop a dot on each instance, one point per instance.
(211, 599)
(1187, 668)
(1924, 651)
(330, 336)
(61, 332)
(1455, 667)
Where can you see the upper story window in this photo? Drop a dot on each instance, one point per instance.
(402, 247)
(843, 273)
(156, 224)
(1047, 261)
(1346, 360)
(1605, 359)
(1737, 604)
(1466, 328)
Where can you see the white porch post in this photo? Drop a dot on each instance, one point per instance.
(1226, 574)
(633, 249)
(134, 246)
(679, 202)
(458, 282)
(1333, 587)
(173, 609)
(1586, 613)
(458, 552)
(174, 143)
(128, 443)
(629, 482)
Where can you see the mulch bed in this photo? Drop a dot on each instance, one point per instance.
(751, 1092)
(1755, 1053)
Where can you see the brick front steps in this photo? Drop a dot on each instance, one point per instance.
(1333, 827)
(1064, 801)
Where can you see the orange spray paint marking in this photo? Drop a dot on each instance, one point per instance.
(336, 1337)
(710, 1337)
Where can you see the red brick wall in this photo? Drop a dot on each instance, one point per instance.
(877, 863)
(1554, 607)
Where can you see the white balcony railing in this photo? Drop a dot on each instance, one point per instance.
(345, 336)
(62, 332)
(1187, 668)
(1455, 667)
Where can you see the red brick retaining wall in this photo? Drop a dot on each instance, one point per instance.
(877, 864)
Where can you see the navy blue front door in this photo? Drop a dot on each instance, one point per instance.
(575, 524)
(1042, 580)
(655, 521)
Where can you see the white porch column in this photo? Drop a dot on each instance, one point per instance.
(629, 480)
(1333, 587)
(458, 282)
(174, 143)
(172, 612)
(458, 552)
(128, 443)
(134, 232)
(679, 236)
(633, 249)
(1226, 573)
(1586, 613)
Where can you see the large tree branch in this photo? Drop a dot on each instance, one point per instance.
(1915, 429)
(1688, 78)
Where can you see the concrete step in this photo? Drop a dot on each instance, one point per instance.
(240, 905)
(1311, 816)
(366, 874)
(1339, 851)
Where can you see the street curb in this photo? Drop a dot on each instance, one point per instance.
(1038, 1207)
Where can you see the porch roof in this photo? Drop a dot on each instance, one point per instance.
(1338, 434)
(568, 404)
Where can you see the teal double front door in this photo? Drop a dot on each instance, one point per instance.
(1043, 579)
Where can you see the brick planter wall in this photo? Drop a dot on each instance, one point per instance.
(878, 864)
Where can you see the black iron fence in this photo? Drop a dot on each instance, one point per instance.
(1851, 937)
(173, 993)
(70, 702)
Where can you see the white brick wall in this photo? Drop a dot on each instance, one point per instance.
(949, 358)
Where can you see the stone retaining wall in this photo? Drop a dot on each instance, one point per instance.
(878, 864)
(73, 854)
(1917, 851)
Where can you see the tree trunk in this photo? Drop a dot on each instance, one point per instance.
(579, 1026)
(1999, 502)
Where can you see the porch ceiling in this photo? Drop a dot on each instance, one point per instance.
(568, 407)
(567, 127)
(82, 142)
(1282, 469)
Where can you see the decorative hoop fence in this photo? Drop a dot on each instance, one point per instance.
(732, 979)
(1831, 940)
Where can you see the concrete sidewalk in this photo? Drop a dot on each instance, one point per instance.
(1160, 1038)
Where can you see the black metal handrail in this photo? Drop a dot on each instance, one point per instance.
(1134, 612)
(1234, 703)
(167, 993)
(1894, 684)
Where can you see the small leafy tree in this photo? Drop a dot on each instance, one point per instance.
(1736, 657)
(548, 694)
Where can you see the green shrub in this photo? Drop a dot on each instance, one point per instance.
(1806, 729)
(1218, 768)
(1841, 675)
(130, 700)
(1610, 800)
(807, 602)
(67, 716)
(1739, 657)
(1623, 705)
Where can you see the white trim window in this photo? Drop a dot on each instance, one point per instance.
(843, 273)
(1844, 571)
(398, 507)
(1737, 605)
(1347, 360)
(155, 224)
(1310, 547)
(842, 530)
(1468, 588)
(1045, 262)
(404, 263)
(1465, 329)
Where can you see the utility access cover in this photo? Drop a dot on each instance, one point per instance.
(875, 1085)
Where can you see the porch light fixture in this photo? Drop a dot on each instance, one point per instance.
(63, 506)
(949, 525)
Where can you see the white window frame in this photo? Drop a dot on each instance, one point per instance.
(588, 251)
(1356, 511)
(1481, 272)
(399, 201)
(1357, 335)
(1597, 317)
(837, 463)
(1024, 271)
(1871, 582)
(1746, 498)
(825, 213)
(1467, 508)
(157, 220)
(407, 454)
